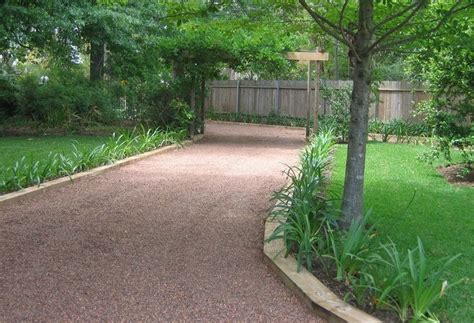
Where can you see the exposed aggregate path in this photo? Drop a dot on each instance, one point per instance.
(173, 237)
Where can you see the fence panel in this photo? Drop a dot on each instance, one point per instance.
(396, 99)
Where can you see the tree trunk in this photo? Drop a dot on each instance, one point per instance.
(353, 196)
(177, 70)
(192, 125)
(336, 60)
(202, 103)
(97, 58)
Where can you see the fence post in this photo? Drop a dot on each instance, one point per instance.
(277, 98)
(237, 103)
(209, 98)
(308, 100)
(316, 98)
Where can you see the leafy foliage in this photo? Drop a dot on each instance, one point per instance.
(447, 66)
(66, 99)
(403, 131)
(338, 119)
(450, 132)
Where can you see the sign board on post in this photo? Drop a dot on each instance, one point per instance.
(308, 57)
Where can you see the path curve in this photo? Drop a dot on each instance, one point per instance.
(173, 237)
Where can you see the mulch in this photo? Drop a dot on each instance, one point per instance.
(454, 175)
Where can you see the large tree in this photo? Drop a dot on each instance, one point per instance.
(368, 27)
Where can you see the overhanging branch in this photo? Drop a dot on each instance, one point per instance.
(454, 9)
(341, 18)
(326, 25)
(399, 26)
(395, 16)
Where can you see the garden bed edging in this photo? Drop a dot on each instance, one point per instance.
(310, 289)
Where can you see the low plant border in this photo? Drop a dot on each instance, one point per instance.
(63, 181)
(310, 289)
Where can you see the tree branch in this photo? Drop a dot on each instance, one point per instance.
(315, 14)
(395, 16)
(398, 26)
(446, 17)
(341, 17)
(326, 25)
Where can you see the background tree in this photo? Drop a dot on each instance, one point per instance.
(446, 63)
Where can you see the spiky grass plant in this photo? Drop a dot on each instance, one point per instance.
(301, 206)
(410, 283)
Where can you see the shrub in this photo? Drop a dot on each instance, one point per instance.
(450, 131)
(157, 100)
(8, 90)
(403, 131)
(339, 100)
(67, 99)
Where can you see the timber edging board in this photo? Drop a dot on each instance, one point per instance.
(63, 181)
(312, 291)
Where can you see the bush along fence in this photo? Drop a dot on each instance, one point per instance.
(126, 144)
(376, 275)
(392, 100)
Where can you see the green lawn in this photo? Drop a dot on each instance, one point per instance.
(441, 214)
(37, 148)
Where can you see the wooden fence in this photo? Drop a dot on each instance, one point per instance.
(396, 99)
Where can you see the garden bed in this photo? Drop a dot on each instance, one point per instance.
(341, 290)
(454, 174)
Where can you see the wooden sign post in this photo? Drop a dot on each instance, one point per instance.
(308, 57)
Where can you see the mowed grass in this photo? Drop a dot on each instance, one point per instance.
(13, 149)
(409, 199)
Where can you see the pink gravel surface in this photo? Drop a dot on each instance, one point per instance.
(173, 237)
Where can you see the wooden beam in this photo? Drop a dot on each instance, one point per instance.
(316, 98)
(307, 56)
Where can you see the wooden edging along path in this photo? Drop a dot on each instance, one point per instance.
(312, 291)
(63, 181)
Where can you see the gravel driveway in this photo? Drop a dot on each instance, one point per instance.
(173, 237)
